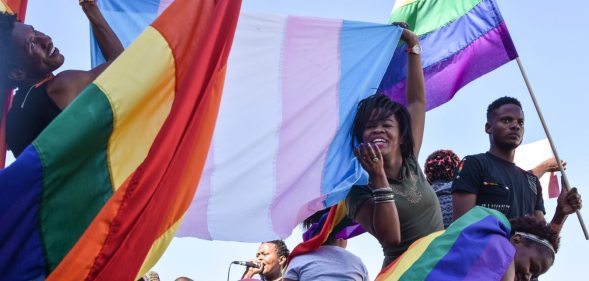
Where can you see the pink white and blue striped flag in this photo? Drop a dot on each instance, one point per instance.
(281, 148)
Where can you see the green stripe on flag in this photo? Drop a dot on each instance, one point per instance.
(441, 245)
(424, 16)
(73, 152)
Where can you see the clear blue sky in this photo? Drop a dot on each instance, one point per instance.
(549, 38)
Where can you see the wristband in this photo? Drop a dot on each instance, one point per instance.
(86, 1)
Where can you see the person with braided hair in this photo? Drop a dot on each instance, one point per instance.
(398, 205)
(439, 168)
(28, 59)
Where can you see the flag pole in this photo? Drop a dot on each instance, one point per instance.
(560, 167)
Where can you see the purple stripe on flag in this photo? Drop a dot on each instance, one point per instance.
(482, 56)
(499, 252)
(488, 249)
(198, 225)
(309, 86)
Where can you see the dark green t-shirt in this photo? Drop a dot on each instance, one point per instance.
(416, 202)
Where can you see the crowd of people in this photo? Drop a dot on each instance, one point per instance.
(398, 206)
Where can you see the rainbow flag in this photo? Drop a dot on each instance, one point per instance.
(18, 7)
(101, 192)
(281, 148)
(461, 41)
(474, 247)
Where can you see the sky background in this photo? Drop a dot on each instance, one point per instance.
(549, 38)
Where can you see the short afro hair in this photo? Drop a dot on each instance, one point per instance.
(440, 165)
(7, 22)
(532, 225)
(499, 103)
(281, 248)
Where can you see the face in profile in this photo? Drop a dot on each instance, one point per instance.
(267, 255)
(36, 54)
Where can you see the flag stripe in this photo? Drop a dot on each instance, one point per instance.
(86, 166)
(467, 64)
(363, 63)
(252, 102)
(309, 121)
(455, 37)
(22, 256)
(417, 249)
(197, 211)
(137, 119)
(428, 15)
(474, 246)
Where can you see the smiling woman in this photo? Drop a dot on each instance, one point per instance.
(397, 206)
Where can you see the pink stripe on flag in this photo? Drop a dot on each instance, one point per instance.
(310, 114)
(195, 223)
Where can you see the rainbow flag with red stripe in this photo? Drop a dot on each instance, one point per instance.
(474, 247)
(101, 192)
(461, 41)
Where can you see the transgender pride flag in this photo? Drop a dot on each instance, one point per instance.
(281, 148)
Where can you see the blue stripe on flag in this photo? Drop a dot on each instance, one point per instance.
(359, 51)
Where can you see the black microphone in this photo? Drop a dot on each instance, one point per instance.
(247, 263)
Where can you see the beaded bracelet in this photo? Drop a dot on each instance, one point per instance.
(86, 1)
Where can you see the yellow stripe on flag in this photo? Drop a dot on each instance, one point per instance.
(148, 96)
(157, 249)
(408, 259)
(4, 7)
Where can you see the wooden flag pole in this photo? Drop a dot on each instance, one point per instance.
(560, 167)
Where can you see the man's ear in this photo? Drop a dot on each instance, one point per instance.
(282, 260)
(17, 74)
(488, 127)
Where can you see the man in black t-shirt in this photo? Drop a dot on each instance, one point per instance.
(492, 180)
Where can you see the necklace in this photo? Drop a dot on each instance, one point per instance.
(35, 86)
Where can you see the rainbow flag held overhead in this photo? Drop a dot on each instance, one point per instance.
(461, 41)
(281, 148)
(101, 192)
(474, 247)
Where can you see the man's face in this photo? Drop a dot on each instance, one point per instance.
(35, 52)
(268, 255)
(506, 127)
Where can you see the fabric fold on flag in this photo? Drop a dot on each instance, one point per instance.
(474, 247)
(461, 40)
(100, 193)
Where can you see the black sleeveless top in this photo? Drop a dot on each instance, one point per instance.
(28, 117)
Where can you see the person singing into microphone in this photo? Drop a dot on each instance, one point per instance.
(271, 258)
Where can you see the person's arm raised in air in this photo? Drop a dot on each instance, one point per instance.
(415, 91)
(69, 84)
